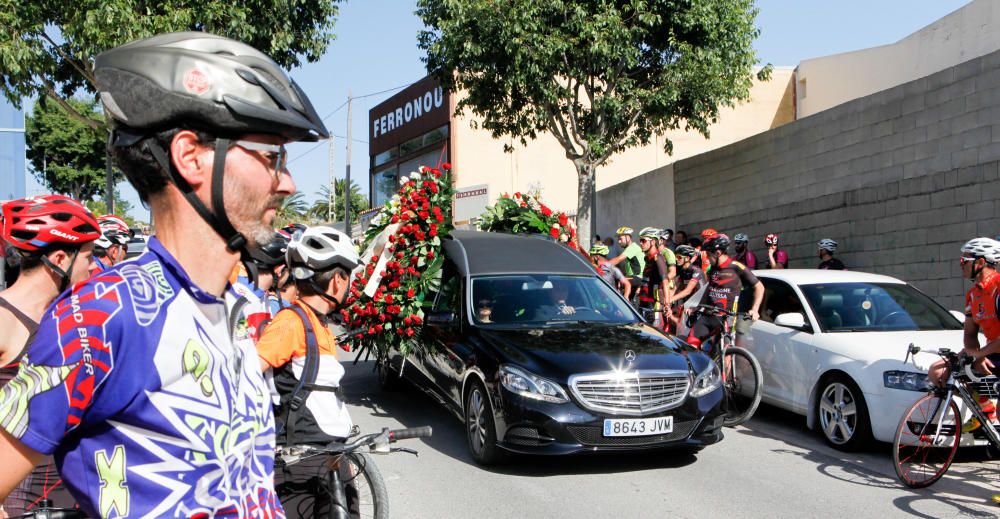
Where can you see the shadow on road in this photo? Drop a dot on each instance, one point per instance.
(413, 408)
(967, 487)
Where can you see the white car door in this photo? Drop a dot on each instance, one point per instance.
(786, 355)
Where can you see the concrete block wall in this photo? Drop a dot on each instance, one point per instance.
(900, 178)
(629, 202)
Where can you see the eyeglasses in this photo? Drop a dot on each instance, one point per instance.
(276, 154)
(965, 259)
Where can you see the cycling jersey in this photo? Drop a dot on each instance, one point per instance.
(981, 305)
(653, 276)
(635, 260)
(255, 310)
(149, 405)
(780, 257)
(610, 273)
(832, 264)
(685, 275)
(725, 283)
(748, 258)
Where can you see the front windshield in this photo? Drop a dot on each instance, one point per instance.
(546, 298)
(871, 307)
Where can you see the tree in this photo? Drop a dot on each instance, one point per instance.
(320, 209)
(600, 76)
(47, 48)
(122, 208)
(66, 155)
(293, 209)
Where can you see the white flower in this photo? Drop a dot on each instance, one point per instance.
(563, 237)
(415, 176)
(555, 226)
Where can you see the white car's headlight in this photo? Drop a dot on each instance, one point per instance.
(707, 381)
(529, 385)
(906, 380)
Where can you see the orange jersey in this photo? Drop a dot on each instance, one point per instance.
(981, 306)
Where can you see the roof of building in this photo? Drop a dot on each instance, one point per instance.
(477, 253)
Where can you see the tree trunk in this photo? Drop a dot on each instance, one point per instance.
(586, 221)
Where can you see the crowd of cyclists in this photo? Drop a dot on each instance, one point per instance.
(191, 362)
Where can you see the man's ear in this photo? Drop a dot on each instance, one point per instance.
(190, 157)
(58, 257)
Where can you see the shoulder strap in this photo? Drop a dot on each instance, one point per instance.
(235, 312)
(311, 367)
(28, 322)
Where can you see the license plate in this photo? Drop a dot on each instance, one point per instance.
(638, 426)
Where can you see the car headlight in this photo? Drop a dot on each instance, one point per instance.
(906, 380)
(707, 381)
(530, 385)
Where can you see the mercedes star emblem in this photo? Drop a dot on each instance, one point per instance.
(629, 356)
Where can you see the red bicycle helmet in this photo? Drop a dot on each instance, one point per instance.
(110, 222)
(708, 234)
(36, 223)
(771, 239)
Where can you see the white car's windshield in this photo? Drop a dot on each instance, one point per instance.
(546, 298)
(863, 307)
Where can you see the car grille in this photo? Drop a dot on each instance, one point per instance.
(989, 387)
(528, 436)
(631, 393)
(594, 436)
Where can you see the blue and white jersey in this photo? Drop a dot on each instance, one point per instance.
(148, 404)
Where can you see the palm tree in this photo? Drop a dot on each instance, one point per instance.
(292, 209)
(320, 209)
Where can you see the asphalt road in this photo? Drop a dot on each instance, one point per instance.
(774, 467)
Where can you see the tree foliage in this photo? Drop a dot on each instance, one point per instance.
(122, 208)
(66, 155)
(47, 48)
(599, 76)
(320, 209)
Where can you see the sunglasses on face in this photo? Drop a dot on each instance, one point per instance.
(965, 259)
(276, 155)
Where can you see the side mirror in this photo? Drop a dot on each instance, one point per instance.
(440, 317)
(792, 320)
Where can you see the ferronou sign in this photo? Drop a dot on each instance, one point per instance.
(411, 110)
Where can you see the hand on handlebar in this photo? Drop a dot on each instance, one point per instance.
(983, 365)
(753, 315)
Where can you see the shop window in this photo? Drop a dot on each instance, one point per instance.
(385, 184)
(386, 156)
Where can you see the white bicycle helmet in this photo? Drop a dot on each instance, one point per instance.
(319, 249)
(740, 238)
(827, 244)
(649, 232)
(986, 248)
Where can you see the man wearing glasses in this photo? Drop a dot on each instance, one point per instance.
(135, 382)
(979, 260)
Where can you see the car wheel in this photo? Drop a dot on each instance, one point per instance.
(480, 428)
(388, 378)
(843, 414)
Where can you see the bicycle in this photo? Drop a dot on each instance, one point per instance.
(742, 376)
(352, 484)
(928, 434)
(45, 510)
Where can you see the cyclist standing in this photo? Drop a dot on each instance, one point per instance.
(743, 253)
(980, 257)
(776, 258)
(302, 352)
(654, 296)
(725, 281)
(689, 279)
(612, 274)
(150, 404)
(112, 247)
(53, 237)
(632, 259)
(826, 248)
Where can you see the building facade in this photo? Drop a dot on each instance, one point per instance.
(418, 127)
(12, 149)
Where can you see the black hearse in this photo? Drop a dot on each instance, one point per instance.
(537, 354)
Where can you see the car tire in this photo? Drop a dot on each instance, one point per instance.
(389, 379)
(480, 428)
(842, 414)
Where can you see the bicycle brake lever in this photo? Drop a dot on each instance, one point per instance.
(404, 449)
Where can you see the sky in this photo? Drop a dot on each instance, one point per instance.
(375, 50)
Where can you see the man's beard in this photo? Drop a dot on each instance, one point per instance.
(247, 215)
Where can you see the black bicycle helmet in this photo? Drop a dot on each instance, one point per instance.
(718, 242)
(271, 255)
(197, 77)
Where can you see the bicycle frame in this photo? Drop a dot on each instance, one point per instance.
(977, 411)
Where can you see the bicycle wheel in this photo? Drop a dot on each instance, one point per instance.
(926, 441)
(743, 381)
(367, 496)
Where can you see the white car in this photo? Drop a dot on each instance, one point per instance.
(832, 346)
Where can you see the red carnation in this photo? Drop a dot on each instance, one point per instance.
(425, 215)
(433, 232)
(388, 298)
(421, 236)
(436, 210)
(554, 232)
(411, 293)
(446, 166)
(546, 211)
(440, 218)
(517, 194)
(407, 320)
(409, 332)
(430, 254)
(563, 220)
(417, 319)
(394, 219)
(399, 254)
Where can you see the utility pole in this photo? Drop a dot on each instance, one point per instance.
(109, 195)
(332, 199)
(347, 176)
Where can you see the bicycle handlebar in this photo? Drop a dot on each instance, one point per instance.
(709, 308)
(412, 432)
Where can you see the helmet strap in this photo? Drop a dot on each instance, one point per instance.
(63, 275)
(322, 293)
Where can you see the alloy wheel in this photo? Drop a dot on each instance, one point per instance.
(838, 413)
(476, 420)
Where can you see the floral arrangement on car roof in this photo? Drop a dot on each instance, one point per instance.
(524, 213)
(404, 259)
